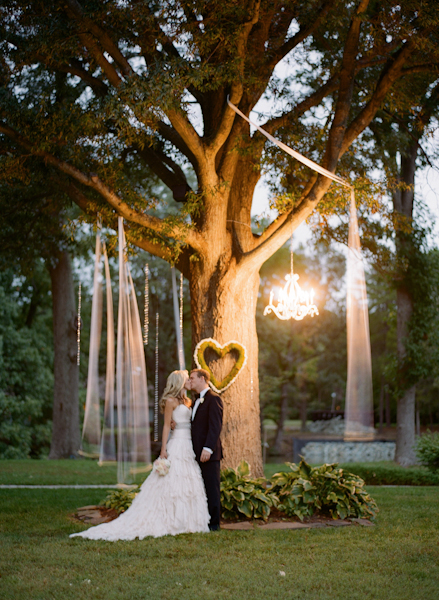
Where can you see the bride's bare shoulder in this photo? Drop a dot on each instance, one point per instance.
(172, 402)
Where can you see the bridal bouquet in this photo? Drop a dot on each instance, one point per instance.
(161, 466)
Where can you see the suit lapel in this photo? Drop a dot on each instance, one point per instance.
(200, 406)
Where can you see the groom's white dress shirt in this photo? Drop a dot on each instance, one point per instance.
(194, 410)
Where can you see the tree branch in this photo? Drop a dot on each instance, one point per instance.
(166, 169)
(187, 133)
(236, 89)
(306, 104)
(188, 236)
(79, 198)
(346, 88)
(106, 66)
(390, 74)
(77, 69)
(301, 35)
(175, 138)
(75, 10)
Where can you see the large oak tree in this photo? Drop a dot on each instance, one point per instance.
(147, 85)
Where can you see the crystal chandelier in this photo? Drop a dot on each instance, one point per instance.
(293, 302)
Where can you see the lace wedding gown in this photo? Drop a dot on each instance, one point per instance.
(166, 505)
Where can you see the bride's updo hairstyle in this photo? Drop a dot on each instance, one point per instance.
(174, 388)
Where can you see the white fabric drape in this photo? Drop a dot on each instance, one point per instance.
(359, 392)
(108, 445)
(133, 441)
(91, 431)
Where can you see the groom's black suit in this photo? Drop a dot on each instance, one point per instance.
(206, 429)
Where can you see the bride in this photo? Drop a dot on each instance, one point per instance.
(166, 504)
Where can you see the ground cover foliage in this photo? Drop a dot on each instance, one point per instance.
(304, 490)
(301, 492)
(398, 558)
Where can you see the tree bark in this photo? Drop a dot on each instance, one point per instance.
(405, 429)
(223, 302)
(65, 434)
(403, 204)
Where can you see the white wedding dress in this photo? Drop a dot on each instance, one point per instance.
(166, 504)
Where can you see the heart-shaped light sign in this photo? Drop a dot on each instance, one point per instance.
(221, 350)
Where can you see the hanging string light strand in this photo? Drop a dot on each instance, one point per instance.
(181, 318)
(146, 307)
(156, 382)
(78, 328)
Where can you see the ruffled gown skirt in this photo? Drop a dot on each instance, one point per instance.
(166, 504)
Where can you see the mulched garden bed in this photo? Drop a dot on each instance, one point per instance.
(278, 520)
(94, 515)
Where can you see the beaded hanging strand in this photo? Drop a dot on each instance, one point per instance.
(156, 382)
(181, 318)
(78, 328)
(146, 307)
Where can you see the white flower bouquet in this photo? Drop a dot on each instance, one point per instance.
(161, 466)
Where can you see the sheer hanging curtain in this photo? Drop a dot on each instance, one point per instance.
(359, 393)
(133, 438)
(91, 431)
(108, 445)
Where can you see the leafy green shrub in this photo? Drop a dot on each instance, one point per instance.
(243, 496)
(427, 450)
(26, 379)
(305, 490)
(392, 474)
(120, 500)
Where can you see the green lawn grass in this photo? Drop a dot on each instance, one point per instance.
(57, 472)
(398, 558)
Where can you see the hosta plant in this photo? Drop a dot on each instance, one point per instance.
(342, 494)
(293, 491)
(120, 500)
(242, 496)
(305, 490)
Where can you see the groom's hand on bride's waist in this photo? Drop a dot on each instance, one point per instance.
(172, 425)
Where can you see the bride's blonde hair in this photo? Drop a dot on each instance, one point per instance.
(174, 388)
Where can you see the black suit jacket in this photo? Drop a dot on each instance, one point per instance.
(206, 426)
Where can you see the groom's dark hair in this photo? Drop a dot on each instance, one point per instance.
(202, 373)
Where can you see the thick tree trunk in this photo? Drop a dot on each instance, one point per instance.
(66, 434)
(223, 301)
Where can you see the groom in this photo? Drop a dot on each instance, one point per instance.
(207, 421)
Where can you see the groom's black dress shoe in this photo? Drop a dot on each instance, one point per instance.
(214, 528)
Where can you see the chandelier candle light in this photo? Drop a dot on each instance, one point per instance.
(293, 302)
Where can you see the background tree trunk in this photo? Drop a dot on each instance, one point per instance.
(403, 204)
(66, 434)
(405, 412)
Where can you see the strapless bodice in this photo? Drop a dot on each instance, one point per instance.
(182, 417)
